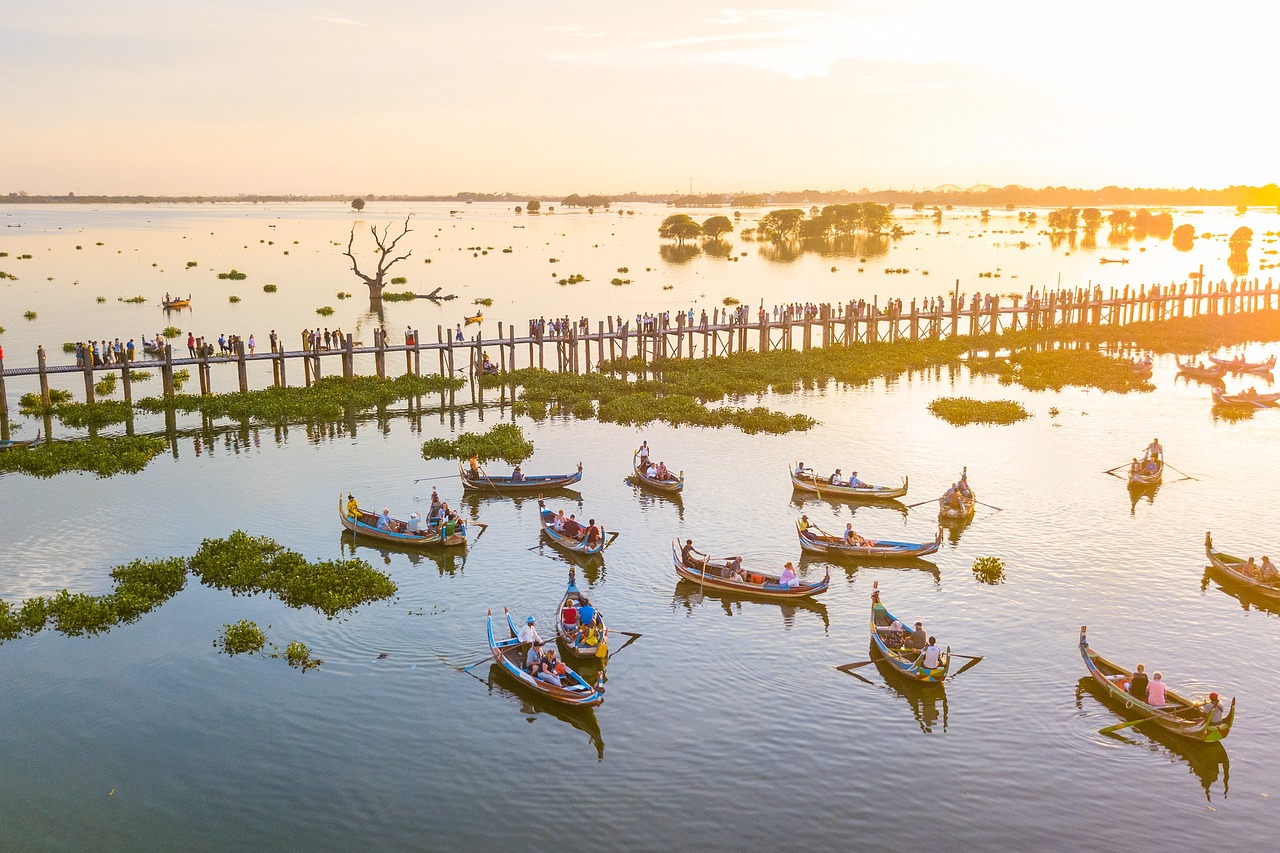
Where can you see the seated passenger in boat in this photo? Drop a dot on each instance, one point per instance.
(917, 639)
(586, 612)
(592, 535)
(517, 476)
(1135, 467)
(384, 520)
(651, 472)
(1137, 687)
(932, 654)
(1269, 572)
(1214, 715)
(415, 524)
(559, 523)
(572, 528)
(854, 482)
(800, 470)
(893, 635)
(788, 578)
(836, 479)
(733, 569)
(803, 524)
(353, 508)
(663, 473)
(588, 636)
(1152, 466)
(1251, 569)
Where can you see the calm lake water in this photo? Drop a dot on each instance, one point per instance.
(725, 726)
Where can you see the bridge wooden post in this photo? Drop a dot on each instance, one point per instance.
(88, 375)
(242, 368)
(43, 368)
(166, 372)
(4, 399)
(127, 382)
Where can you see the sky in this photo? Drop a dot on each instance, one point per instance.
(417, 96)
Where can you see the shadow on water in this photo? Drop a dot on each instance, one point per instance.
(1137, 493)
(448, 561)
(582, 719)
(689, 595)
(928, 701)
(852, 565)
(1248, 599)
(1207, 761)
(838, 506)
(651, 501)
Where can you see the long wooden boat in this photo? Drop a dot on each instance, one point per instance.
(1212, 374)
(478, 317)
(1239, 365)
(1178, 715)
(11, 444)
(1233, 569)
(712, 574)
(504, 485)
(507, 654)
(815, 540)
(668, 486)
(366, 525)
(567, 623)
(176, 303)
(1141, 478)
(574, 546)
(1247, 400)
(811, 483)
(905, 660)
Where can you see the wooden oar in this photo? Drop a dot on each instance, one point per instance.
(1118, 726)
(424, 479)
(483, 527)
(489, 658)
(490, 482)
(988, 506)
(970, 665)
(922, 503)
(849, 667)
(1184, 474)
(970, 657)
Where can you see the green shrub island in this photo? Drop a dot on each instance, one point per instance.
(501, 441)
(959, 411)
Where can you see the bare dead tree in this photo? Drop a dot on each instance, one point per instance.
(384, 249)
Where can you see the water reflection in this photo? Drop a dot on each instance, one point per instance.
(689, 595)
(674, 253)
(928, 701)
(651, 501)
(1207, 761)
(1137, 492)
(852, 565)
(800, 500)
(591, 565)
(1247, 598)
(582, 719)
(448, 561)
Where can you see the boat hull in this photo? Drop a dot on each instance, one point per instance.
(809, 483)
(707, 575)
(507, 654)
(1231, 569)
(817, 543)
(905, 661)
(567, 633)
(568, 543)
(361, 528)
(529, 485)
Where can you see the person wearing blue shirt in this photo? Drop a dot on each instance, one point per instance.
(586, 613)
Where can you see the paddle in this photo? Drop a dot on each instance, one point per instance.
(483, 527)
(1184, 474)
(1117, 468)
(484, 474)
(988, 506)
(970, 665)
(1106, 730)
(921, 503)
(973, 658)
(424, 479)
(489, 658)
(849, 667)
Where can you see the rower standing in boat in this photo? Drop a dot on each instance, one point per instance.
(475, 468)
(644, 455)
(528, 635)
(686, 553)
(1154, 450)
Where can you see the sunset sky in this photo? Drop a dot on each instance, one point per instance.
(383, 96)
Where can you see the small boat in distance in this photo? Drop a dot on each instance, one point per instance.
(1246, 399)
(1113, 260)
(1236, 570)
(12, 444)
(1142, 367)
(806, 480)
(478, 317)
(892, 644)
(670, 484)
(1198, 371)
(815, 540)
(478, 480)
(1178, 714)
(726, 577)
(573, 689)
(1145, 473)
(1239, 365)
(177, 302)
(416, 533)
(958, 504)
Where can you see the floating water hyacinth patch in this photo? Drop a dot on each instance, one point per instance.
(959, 411)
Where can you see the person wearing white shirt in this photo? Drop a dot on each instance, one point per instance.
(529, 633)
(931, 654)
(836, 479)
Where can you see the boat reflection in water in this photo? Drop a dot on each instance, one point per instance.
(1208, 761)
(582, 719)
(474, 500)
(928, 701)
(1248, 599)
(1138, 493)
(651, 501)
(448, 561)
(689, 596)
(800, 500)
(591, 566)
(853, 565)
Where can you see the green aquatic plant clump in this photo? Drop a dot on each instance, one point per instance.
(327, 399)
(298, 656)
(97, 414)
(242, 638)
(959, 411)
(501, 441)
(105, 457)
(1055, 369)
(140, 586)
(233, 274)
(989, 570)
(248, 564)
(399, 296)
(171, 332)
